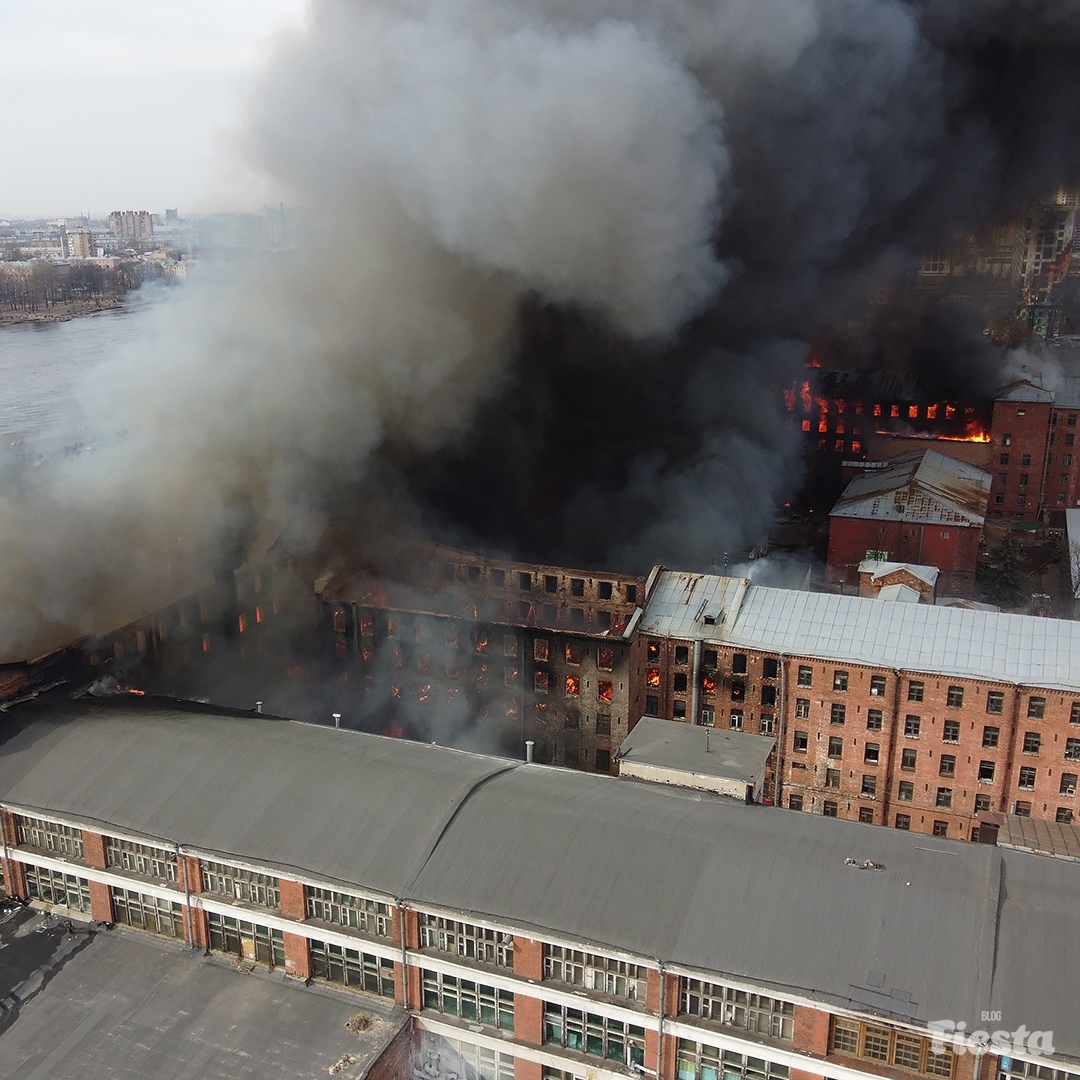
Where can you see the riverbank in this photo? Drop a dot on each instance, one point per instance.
(61, 311)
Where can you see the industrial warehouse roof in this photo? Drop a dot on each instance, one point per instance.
(1023, 390)
(934, 929)
(923, 487)
(913, 637)
(691, 748)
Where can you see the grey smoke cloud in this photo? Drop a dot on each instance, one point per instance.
(555, 261)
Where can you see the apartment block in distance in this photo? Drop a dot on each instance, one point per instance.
(902, 714)
(540, 923)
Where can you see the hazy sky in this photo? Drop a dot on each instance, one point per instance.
(128, 104)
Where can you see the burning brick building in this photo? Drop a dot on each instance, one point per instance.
(517, 651)
(923, 508)
(909, 715)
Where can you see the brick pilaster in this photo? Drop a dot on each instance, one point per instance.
(100, 902)
(297, 956)
(811, 1031)
(292, 900)
(528, 958)
(528, 1020)
(94, 849)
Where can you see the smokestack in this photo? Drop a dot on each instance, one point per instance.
(529, 743)
(337, 719)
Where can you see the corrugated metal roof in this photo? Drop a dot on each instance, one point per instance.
(1023, 391)
(681, 603)
(903, 594)
(917, 637)
(878, 569)
(751, 892)
(924, 486)
(670, 744)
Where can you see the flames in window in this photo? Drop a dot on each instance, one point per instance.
(573, 685)
(708, 685)
(652, 677)
(604, 691)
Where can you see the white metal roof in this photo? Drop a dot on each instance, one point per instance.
(1023, 391)
(903, 593)
(1072, 540)
(919, 637)
(878, 569)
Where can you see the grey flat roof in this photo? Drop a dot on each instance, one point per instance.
(1042, 837)
(752, 892)
(671, 744)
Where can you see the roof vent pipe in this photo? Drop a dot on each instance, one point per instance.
(337, 719)
(706, 740)
(529, 743)
(258, 706)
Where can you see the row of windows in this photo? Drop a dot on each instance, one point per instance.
(589, 1033)
(442, 1056)
(350, 967)
(55, 887)
(246, 940)
(468, 999)
(240, 884)
(147, 913)
(890, 1047)
(145, 859)
(737, 1008)
(466, 939)
(697, 1061)
(346, 909)
(50, 836)
(601, 973)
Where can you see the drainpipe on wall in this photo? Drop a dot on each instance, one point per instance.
(180, 858)
(695, 692)
(404, 955)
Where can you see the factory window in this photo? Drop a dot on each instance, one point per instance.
(801, 742)
(577, 616)
(605, 658)
(603, 761)
(944, 798)
(698, 1061)
(999, 498)
(682, 654)
(708, 715)
(903, 821)
(951, 732)
(872, 753)
(603, 620)
(591, 971)
(678, 683)
(802, 708)
(49, 836)
(350, 967)
(541, 681)
(1032, 741)
(572, 719)
(912, 724)
(982, 804)
(652, 651)
(829, 808)
(240, 884)
(955, 698)
(907, 760)
(869, 787)
(1022, 809)
(738, 691)
(604, 691)
(794, 802)
(767, 724)
(806, 676)
(947, 765)
(837, 713)
(1002, 478)
(1036, 708)
(709, 658)
(524, 581)
(652, 705)
(995, 702)
(839, 680)
(770, 667)
(603, 723)
(246, 940)
(481, 1063)
(738, 664)
(1068, 784)
(941, 828)
(866, 815)
(1023, 479)
(873, 719)
(470, 1000)
(631, 594)
(1021, 500)
(894, 411)
(541, 650)
(1070, 440)
(736, 722)
(347, 909)
(832, 778)
(678, 709)
(589, 1033)
(551, 583)
(986, 772)
(55, 887)
(604, 590)
(1025, 460)
(147, 913)
(877, 685)
(473, 573)
(1066, 460)
(1006, 440)
(1004, 459)
(768, 695)
(466, 939)
(573, 653)
(1064, 815)
(1027, 779)
(883, 1044)
(836, 747)
(144, 859)
(915, 690)
(577, 586)
(906, 791)
(498, 579)
(1071, 421)
(1072, 749)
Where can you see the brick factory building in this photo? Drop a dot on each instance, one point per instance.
(540, 924)
(900, 714)
(923, 508)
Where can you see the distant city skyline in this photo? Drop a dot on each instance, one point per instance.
(126, 105)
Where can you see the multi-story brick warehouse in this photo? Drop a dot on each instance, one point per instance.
(513, 651)
(899, 714)
(537, 922)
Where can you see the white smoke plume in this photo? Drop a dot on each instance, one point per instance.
(553, 261)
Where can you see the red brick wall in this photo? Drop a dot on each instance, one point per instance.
(100, 902)
(1015, 436)
(527, 1070)
(811, 1034)
(194, 873)
(200, 937)
(292, 900)
(94, 849)
(396, 1061)
(528, 958)
(528, 1019)
(11, 829)
(15, 879)
(297, 956)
